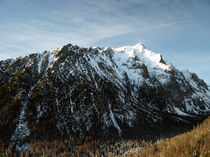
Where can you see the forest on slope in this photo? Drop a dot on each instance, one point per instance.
(194, 143)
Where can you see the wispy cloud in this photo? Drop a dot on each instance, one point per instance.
(47, 23)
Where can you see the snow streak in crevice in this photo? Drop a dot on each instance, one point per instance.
(114, 121)
(21, 132)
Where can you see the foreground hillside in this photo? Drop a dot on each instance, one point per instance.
(195, 143)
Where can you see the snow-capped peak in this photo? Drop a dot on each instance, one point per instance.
(139, 46)
(146, 56)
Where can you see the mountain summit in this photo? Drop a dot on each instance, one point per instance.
(125, 92)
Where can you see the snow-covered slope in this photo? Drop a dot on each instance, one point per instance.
(102, 92)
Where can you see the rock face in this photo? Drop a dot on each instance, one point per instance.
(127, 92)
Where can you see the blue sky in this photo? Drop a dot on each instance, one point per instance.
(178, 29)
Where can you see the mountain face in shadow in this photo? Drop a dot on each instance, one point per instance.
(106, 93)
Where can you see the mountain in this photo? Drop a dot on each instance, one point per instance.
(105, 93)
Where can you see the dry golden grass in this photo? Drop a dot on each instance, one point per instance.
(74, 147)
(195, 143)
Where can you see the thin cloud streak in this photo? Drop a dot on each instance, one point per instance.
(142, 29)
(166, 24)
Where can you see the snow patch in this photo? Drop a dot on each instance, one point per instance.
(40, 64)
(179, 112)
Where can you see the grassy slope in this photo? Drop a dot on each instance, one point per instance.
(194, 143)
